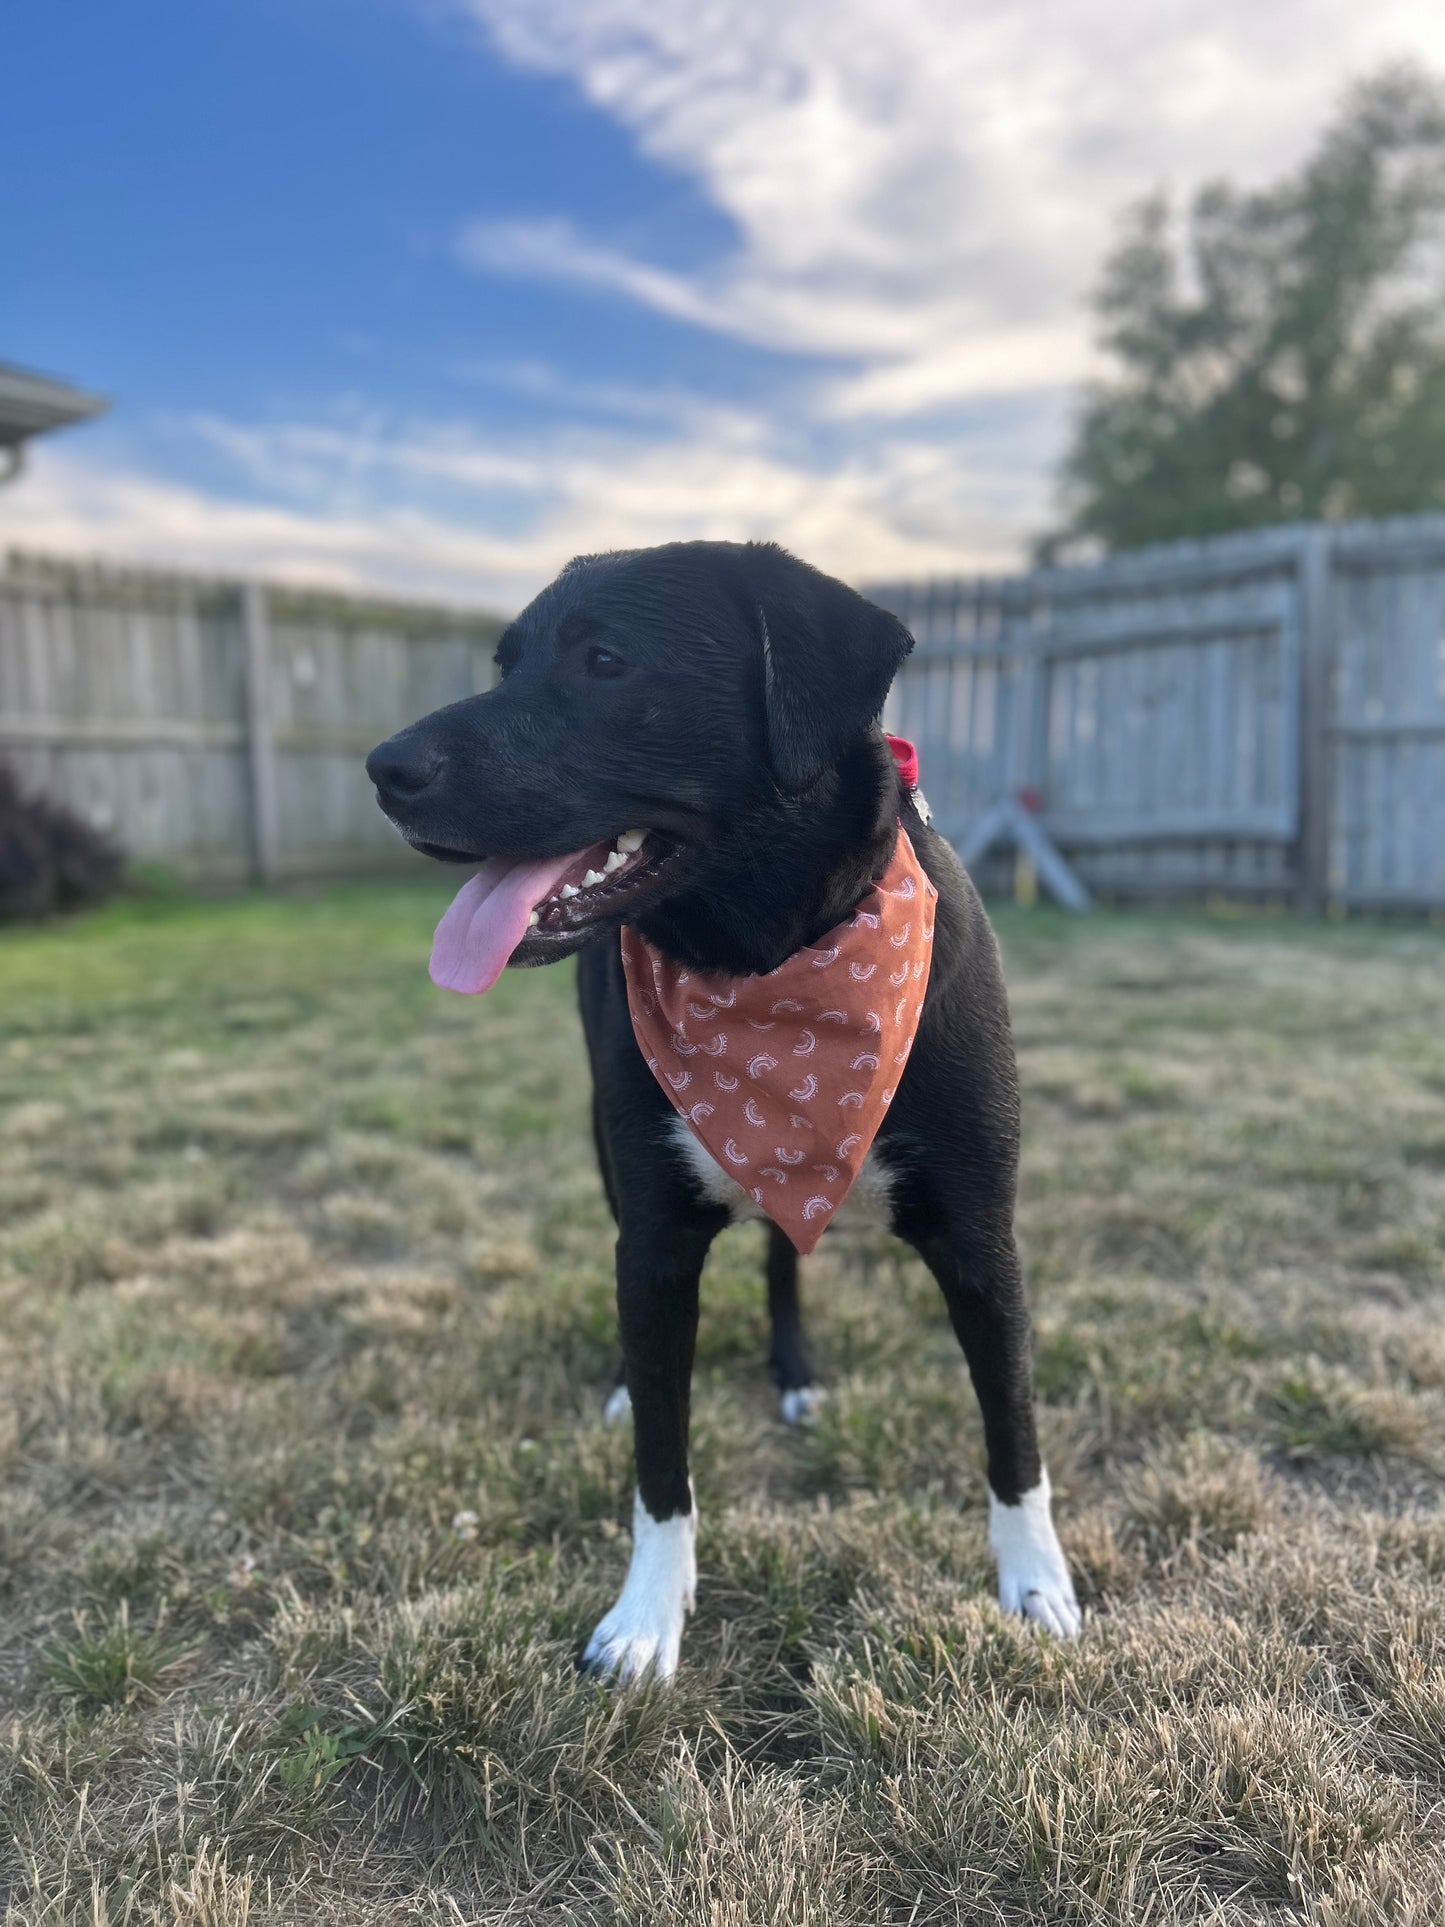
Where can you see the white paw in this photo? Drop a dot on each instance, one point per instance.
(1033, 1576)
(799, 1405)
(643, 1632)
(618, 1408)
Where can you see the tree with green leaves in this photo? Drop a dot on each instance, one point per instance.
(1281, 355)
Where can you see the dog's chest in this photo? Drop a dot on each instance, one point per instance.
(869, 1200)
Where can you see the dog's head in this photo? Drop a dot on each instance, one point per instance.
(655, 705)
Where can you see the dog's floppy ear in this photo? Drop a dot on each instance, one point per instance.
(828, 657)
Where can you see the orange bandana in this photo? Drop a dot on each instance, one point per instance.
(786, 1078)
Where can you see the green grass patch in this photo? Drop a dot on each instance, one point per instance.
(107, 1662)
(306, 1506)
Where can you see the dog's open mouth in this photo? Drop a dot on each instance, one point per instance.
(507, 902)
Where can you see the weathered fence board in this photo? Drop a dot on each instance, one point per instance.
(220, 727)
(1388, 725)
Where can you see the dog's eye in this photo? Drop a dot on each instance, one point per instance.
(602, 662)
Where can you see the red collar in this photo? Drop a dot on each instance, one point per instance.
(906, 757)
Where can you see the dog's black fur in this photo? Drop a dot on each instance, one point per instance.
(725, 697)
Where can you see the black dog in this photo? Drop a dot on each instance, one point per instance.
(685, 741)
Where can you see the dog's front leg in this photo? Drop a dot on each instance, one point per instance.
(658, 1268)
(978, 1270)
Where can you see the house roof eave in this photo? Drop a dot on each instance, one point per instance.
(31, 403)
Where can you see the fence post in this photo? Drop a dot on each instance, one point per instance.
(260, 749)
(1316, 701)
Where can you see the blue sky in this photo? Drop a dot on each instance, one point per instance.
(431, 295)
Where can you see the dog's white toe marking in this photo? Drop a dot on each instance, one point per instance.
(618, 1408)
(643, 1632)
(1033, 1577)
(799, 1405)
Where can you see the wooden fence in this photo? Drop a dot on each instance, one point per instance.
(219, 727)
(1256, 715)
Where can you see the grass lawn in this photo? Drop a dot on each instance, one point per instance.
(305, 1502)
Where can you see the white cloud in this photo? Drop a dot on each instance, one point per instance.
(67, 504)
(771, 315)
(922, 185)
(427, 508)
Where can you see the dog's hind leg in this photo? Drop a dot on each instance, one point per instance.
(789, 1365)
(977, 1268)
(659, 1264)
(618, 1406)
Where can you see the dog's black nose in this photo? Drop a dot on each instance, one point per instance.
(402, 769)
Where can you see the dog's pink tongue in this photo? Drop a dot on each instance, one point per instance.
(488, 919)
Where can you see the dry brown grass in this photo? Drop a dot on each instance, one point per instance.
(305, 1502)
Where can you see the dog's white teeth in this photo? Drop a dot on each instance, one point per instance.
(631, 840)
(615, 861)
(533, 921)
(592, 876)
(569, 890)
